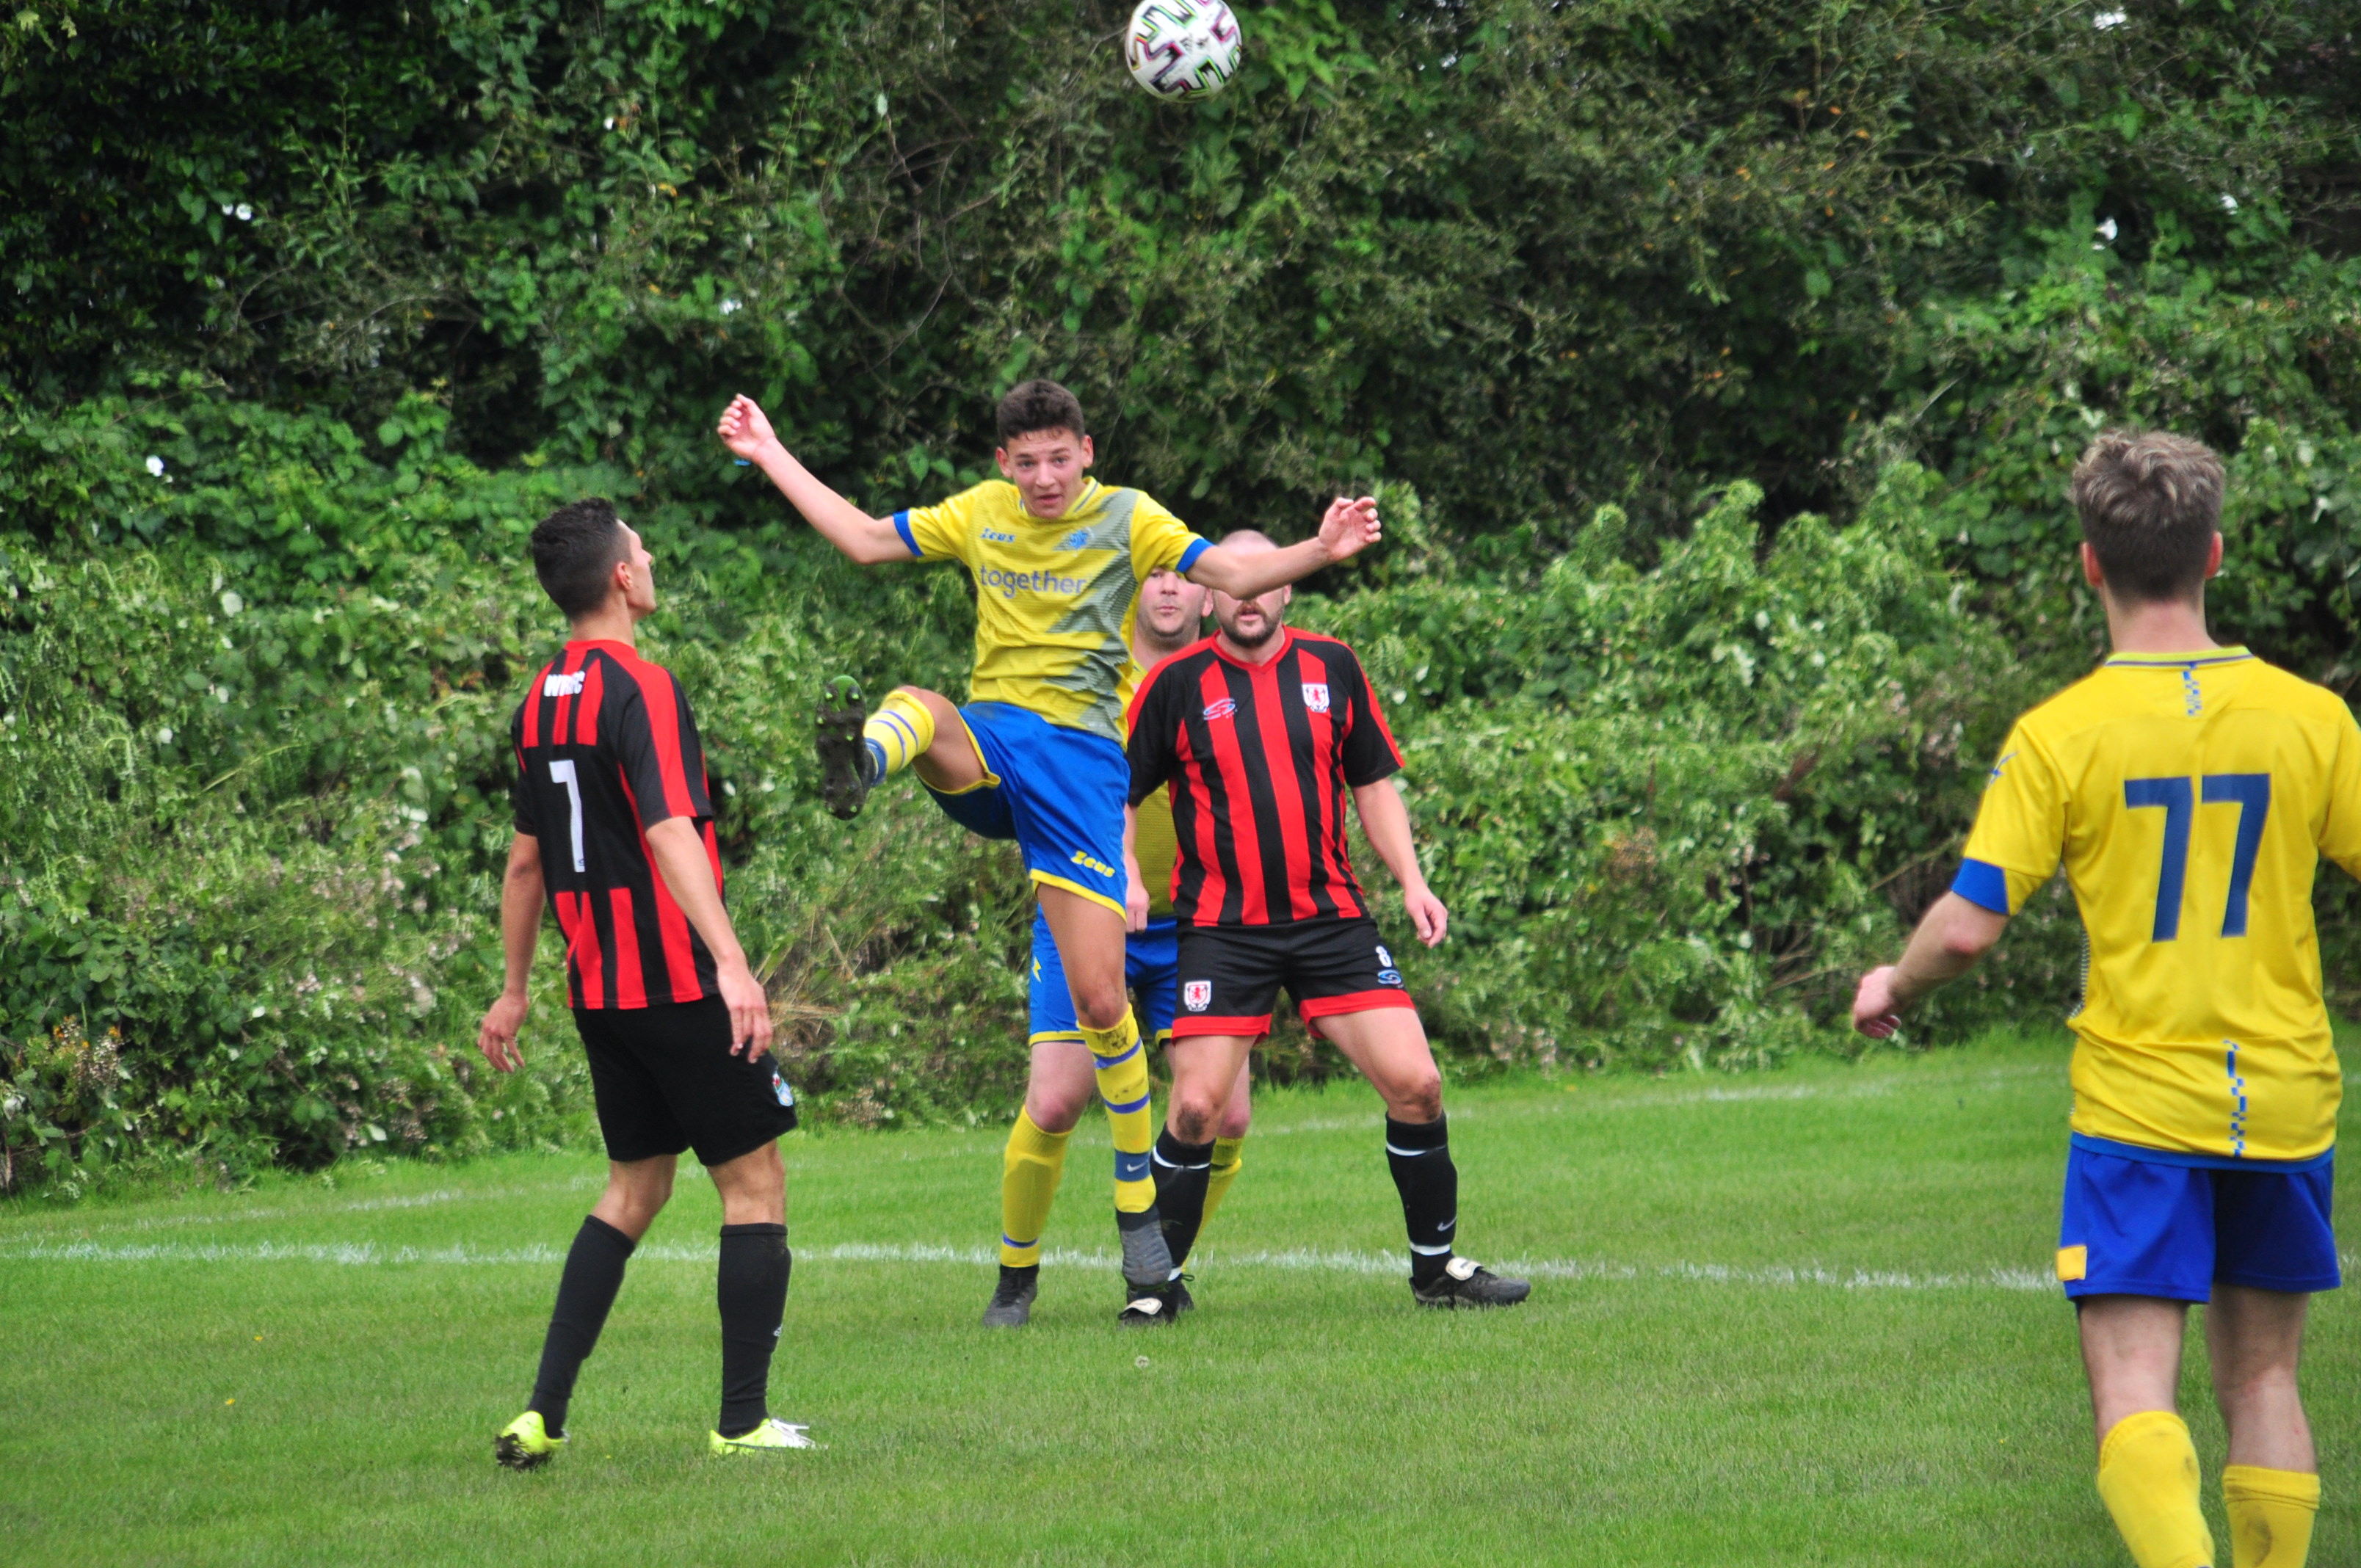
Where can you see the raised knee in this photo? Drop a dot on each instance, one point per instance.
(1101, 1007)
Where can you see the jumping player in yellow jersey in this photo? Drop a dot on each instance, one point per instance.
(1061, 1088)
(2189, 791)
(1037, 754)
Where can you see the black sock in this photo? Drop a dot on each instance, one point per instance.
(594, 1272)
(1419, 1155)
(751, 1287)
(1181, 1172)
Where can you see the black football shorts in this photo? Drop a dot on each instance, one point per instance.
(665, 1082)
(1230, 975)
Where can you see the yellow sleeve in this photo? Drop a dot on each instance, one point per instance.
(1160, 542)
(2340, 828)
(2020, 829)
(944, 532)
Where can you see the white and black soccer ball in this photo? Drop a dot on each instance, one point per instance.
(1181, 48)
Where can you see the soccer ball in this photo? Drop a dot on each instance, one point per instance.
(1181, 48)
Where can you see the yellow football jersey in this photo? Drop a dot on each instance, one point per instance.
(2191, 798)
(1055, 597)
(1157, 846)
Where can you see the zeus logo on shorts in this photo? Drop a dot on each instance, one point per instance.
(562, 686)
(1196, 995)
(1315, 695)
(1220, 707)
(1085, 860)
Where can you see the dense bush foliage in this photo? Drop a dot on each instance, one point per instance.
(254, 816)
(1722, 366)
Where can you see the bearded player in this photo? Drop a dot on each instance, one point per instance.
(1060, 1089)
(1037, 754)
(2189, 791)
(1259, 734)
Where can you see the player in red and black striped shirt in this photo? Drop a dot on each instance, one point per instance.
(1261, 733)
(614, 826)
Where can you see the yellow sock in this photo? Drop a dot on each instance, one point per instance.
(2270, 1515)
(898, 734)
(1122, 1067)
(1028, 1185)
(1226, 1160)
(2147, 1476)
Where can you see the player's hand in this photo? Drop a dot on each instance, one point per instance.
(745, 430)
(750, 1011)
(1135, 901)
(1875, 1013)
(1427, 912)
(497, 1035)
(1349, 527)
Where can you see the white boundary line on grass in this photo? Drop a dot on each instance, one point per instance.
(1305, 1259)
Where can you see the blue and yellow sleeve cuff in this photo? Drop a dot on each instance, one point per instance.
(1983, 884)
(1188, 557)
(902, 527)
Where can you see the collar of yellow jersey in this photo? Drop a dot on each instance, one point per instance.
(2177, 661)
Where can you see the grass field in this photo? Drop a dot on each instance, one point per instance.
(1799, 1317)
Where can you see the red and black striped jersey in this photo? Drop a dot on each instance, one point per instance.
(606, 749)
(1259, 759)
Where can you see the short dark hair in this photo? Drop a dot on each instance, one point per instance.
(1039, 405)
(575, 549)
(2150, 505)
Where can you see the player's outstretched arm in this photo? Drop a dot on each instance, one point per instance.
(1385, 820)
(1953, 936)
(1349, 528)
(746, 431)
(520, 899)
(679, 855)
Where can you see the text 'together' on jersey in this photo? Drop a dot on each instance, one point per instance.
(1055, 598)
(2191, 798)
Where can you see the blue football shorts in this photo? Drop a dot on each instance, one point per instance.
(2147, 1222)
(1152, 967)
(1059, 791)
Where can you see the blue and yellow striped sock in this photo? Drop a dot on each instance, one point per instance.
(896, 735)
(1122, 1067)
(1029, 1172)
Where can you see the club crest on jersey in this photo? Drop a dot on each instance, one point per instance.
(562, 686)
(1315, 695)
(1221, 708)
(1196, 995)
(1076, 540)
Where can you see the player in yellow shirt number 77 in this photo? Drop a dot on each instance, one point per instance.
(2189, 791)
